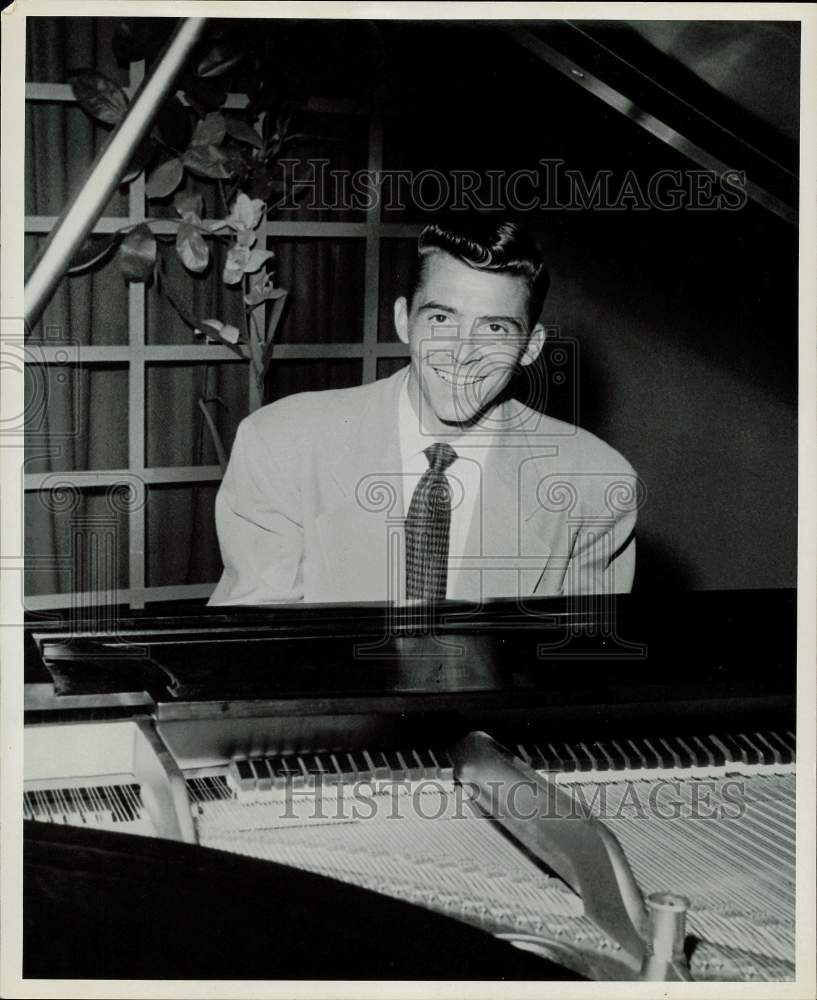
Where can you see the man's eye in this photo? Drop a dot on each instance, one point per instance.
(497, 328)
(438, 319)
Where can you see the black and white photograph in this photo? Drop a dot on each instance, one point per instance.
(407, 563)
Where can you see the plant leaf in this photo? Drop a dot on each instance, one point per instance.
(189, 206)
(137, 254)
(98, 96)
(210, 130)
(93, 251)
(256, 259)
(204, 94)
(206, 161)
(192, 248)
(165, 178)
(219, 59)
(246, 212)
(235, 264)
(229, 334)
(242, 131)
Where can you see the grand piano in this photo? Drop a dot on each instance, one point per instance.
(573, 788)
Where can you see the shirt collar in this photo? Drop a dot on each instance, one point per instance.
(413, 441)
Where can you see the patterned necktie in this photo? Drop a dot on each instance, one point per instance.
(427, 526)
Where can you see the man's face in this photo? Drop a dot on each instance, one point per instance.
(467, 332)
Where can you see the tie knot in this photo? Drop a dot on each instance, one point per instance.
(440, 456)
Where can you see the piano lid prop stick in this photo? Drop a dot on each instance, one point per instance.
(79, 218)
(582, 851)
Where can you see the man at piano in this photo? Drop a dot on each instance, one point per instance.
(433, 483)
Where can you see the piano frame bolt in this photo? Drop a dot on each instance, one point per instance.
(665, 958)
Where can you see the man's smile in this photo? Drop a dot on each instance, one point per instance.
(457, 378)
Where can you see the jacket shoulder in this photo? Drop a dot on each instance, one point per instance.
(309, 410)
(579, 449)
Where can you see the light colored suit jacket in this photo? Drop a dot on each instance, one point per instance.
(311, 507)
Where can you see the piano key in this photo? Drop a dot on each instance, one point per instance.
(638, 752)
(583, 756)
(687, 753)
(718, 752)
(362, 765)
(293, 770)
(523, 754)
(397, 768)
(444, 766)
(657, 757)
(771, 751)
(242, 774)
(625, 762)
(564, 761)
(607, 754)
(786, 750)
(427, 761)
(313, 765)
(754, 754)
(538, 758)
(674, 760)
(737, 753)
(262, 773)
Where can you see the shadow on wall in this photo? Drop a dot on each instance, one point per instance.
(658, 566)
(581, 394)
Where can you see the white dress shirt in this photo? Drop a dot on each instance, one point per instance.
(464, 475)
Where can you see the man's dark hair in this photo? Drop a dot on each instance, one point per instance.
(487, 243)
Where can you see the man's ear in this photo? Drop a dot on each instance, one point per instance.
(401, 318)
(535, 345)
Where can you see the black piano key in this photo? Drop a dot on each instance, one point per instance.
(313, 765)
(261, 773)
(786, 748)
(378, 765)
(770, 750)
(606, 755)
(286, 770)
(427, 761)
(754, 754)
(362, 765)
(523, 754)
(665, 746)
(413, 765)
(599, 756)
(640, 754)
(737, 753)
(703, 755)
(584, 762)
(397, 768)
(243, 774)
(653, 755)
(538, 760)
(445, 766)
(562, 760)
(712, 747)
(622, 761)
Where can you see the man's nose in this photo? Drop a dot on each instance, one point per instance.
(467, 351)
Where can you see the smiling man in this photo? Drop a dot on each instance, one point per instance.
(433, 483)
